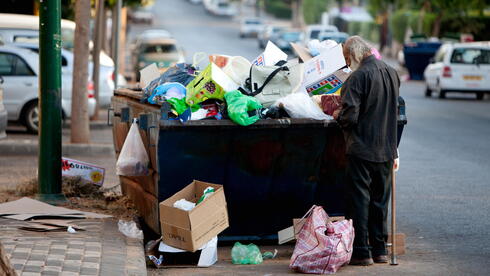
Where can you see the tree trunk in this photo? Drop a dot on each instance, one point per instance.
(437, 24)
(297, 13)
(80, 131)
(96, 54)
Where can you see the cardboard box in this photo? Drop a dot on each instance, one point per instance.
(190, 230)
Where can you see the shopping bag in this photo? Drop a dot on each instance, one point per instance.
(133, 159)
(322, 247)
(300, 105)
(270, 83)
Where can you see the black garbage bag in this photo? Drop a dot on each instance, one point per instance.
(182, 73)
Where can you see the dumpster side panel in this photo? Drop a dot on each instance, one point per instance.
(270, 175)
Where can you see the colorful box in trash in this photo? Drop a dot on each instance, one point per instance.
(211, 83)
(324, 74)
(190, 230)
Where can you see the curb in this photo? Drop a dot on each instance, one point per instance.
(30, 147)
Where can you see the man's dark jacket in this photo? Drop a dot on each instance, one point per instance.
(369, 111)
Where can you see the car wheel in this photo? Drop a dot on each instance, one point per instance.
(479, 96)
(30, 117)
(442, 94)
(428, 92)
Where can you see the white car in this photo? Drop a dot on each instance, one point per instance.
(220, 7)
(3, 113)
(251, 27)
(460, 67)
(19, 69)
(106, 73)
(314, 32)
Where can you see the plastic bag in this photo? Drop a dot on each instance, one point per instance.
(167, 91)
(300, 105)
(238, 107)
(246, 254)
(130, 229)
(133, 159)
(180, 106)
(184, 204)
(182, 73)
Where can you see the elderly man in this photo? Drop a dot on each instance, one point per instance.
(369, 120)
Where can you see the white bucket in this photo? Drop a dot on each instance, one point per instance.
(238, 69)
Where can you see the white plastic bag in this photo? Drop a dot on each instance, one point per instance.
(300, 105)
(130, 229)
(133, 159)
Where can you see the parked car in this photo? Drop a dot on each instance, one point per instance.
(268, 33)
(251, 27)
(314, 31)
(156, 46)
(106, 73)
(220, 7)
(459, 67)
(284, 39)
(339, 37)
(3, 113)
(20, 28)
(19, 69)
(141, 16)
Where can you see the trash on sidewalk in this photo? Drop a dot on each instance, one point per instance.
(28, 208)
(51, 225)
(87, 171)
(130, 229)
(133, 159)
(329, 243)
(246, 254)
(290, 233)
(269, 255)
(190, 230)
(205, 256)
(71, 230)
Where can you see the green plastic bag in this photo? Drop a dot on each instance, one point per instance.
(179, 105)
(246, 254)
(238, 107)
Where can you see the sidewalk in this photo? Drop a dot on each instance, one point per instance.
(100, 250)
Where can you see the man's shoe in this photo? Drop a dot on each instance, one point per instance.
(381, 259)
(362, 262)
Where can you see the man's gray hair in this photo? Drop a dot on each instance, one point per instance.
(358, 48)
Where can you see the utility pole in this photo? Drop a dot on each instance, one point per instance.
(96, 53)
(116, 41)
(80, 130)
(49, 169)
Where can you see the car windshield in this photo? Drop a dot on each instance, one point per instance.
(470, 56)
(252, 22)
(314, 34)
(292, 36)
(159, 49)
(223, 5)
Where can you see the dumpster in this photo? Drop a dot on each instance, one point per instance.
(272, 171)
(417, 57)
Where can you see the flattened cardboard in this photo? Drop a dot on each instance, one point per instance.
(301, 52)
(190, 230)
(271, 55)
(148, 74)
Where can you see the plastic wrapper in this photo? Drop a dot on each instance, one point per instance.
(133, 159)
(238, 107)
(300, 105)
(184, 205)
(182, 73)
(130, 229)
(246, 254)
(167, 91)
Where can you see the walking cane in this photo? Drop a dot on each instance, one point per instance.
(393, 217)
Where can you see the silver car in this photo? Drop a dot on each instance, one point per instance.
(3, 113)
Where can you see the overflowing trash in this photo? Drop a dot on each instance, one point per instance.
(130, 229)
(269, 87)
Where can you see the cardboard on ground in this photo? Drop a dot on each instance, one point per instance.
(271, 55)
(87, 171)
(28, 208)
(190, 230)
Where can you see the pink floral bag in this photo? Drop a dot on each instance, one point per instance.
(322, 247)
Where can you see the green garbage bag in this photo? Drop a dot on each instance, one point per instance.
(246, 254)
(179, 105)
(238, 107)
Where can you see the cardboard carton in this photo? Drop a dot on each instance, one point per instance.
(190, 230)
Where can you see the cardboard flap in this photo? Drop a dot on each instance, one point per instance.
(213, 204)
(301, 52)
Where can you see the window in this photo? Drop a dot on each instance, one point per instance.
(440, 54)
(12, 65)
(26, 39)
(160, 49)
(470, 56)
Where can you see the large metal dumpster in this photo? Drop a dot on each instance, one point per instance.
(417, 57)
(272, 171)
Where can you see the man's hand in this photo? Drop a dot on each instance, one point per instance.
(336, 114)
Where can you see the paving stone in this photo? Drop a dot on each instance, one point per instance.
(50, 273)
(69, 273)
(73, 257)
(77, 246)
(90, 265)
(36, 257)
(51, 268)
(30, 274)
(57, 251)
(19, 255)
(89, 271)
(76, 263)
(54, 263)
(71, 268)
(18, 266)
(34, 263)
(91, 259)
(32, 268)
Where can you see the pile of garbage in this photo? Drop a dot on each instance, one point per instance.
(270, 87)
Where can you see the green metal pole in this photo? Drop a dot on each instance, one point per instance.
(49, 172)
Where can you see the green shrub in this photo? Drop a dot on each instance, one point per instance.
(399, 23)
(278, 8)
(313, 9)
